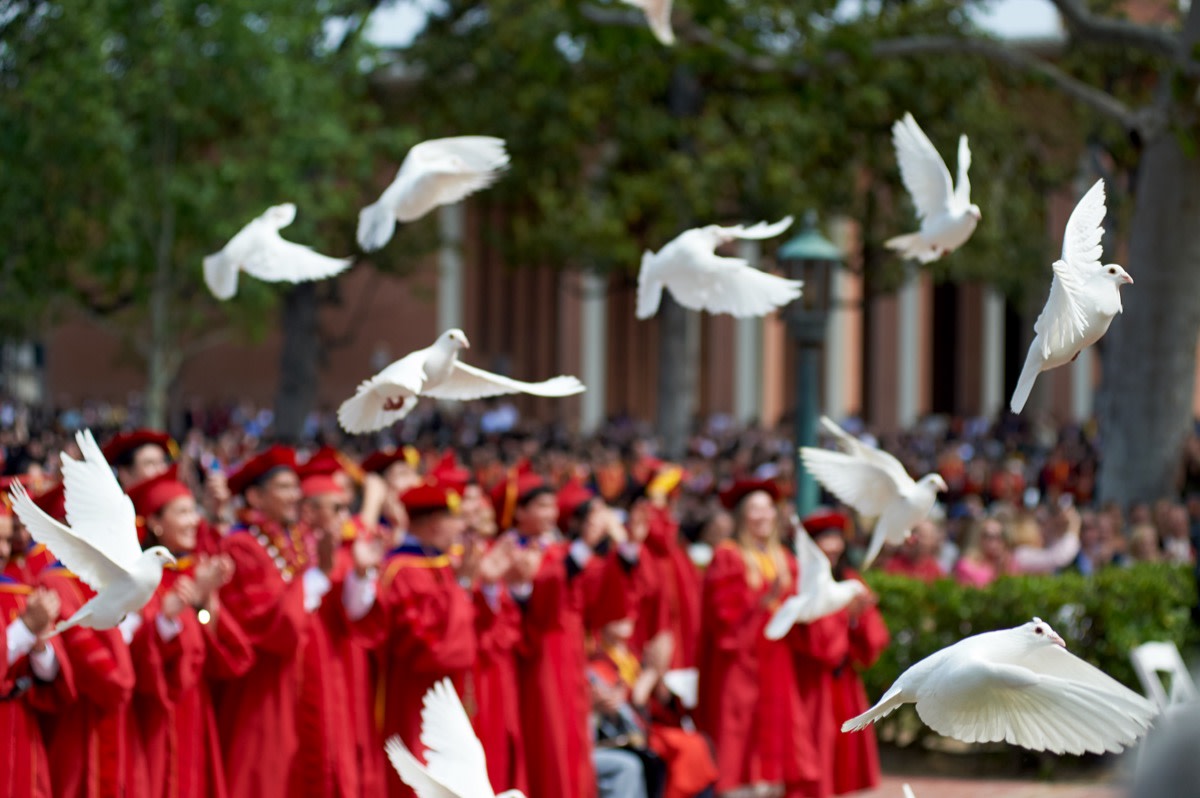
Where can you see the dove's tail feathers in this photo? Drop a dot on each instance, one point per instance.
(376, 224)
(221, 275)
(783, 620)
(877, 538)
(75, 620)
(891, 700)
(556, 386)
(649, 290)
(914, 247)
(1033, 367)
(367, 411)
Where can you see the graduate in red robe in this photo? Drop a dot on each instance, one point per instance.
(185, 640)
(423, 620)
(29, 671)
(748, 700)
(271, 595)
(138, 455)
(27, 557)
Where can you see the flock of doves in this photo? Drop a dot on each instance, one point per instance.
(1018, 685)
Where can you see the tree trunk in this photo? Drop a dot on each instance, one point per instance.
(678, 354)
(298, 364)
(1145, 404)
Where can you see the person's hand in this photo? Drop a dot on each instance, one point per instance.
(639, 521)
(526, 563)
(41, 611)
(216, 494)
(473, 551)
(182, 594)
(608, 699)
(367, 553)
(496, 562)
(658, 652)
(861, 603)
(774, 592)
(327, 545)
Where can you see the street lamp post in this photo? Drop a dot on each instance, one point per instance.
(812, 258)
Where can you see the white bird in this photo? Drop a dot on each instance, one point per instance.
(700, 279)
(1021, 686)
(684, 684)
(948, 218)
(908, 793)
(1084, 296)
(259, 250)
(101, 545)
(658, 17)
(455, 765)
(817, 594)
(435, 172)
(875, 484)
(435, 372)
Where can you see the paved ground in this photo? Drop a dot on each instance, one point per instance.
(939, 787)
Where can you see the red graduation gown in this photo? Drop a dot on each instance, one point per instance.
(681, 585)
(173, 701)
(423, 626)
(24, 568)
(493, 688)
(24, 767)
(256, 713)
(748, 701)
(856, 756)
(820, 648)
(93, 743)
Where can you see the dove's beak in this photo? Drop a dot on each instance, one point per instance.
(1128, 280)
(1057, 639)
(171, 562)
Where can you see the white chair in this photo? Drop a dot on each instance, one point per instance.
(1151, 659)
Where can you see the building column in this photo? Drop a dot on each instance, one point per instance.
(908, 355)
(833, 373)
(747, 353)
(1082, 373)
(451, 224)
(992, 392)
(593, 344)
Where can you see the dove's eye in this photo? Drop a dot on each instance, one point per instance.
(1038, 630)
(1112, 271)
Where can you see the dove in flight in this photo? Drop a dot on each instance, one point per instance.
(435, 172)
(684, 684)
(817, 594)
(455, 765)
(700, 279)
(101, 545)
(435, 372)
(658, 17)
(1084, 296)
(260, 251)
(1021, 686)
(948, 217)
(875, 484)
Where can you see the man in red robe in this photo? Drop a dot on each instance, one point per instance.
(423, 620)
(26, 557)
(274, 590)
(139, 455)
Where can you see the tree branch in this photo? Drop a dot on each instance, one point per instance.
(1087, 27)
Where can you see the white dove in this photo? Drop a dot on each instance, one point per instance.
(908, 793)
(435, 372)
(658, 17)
(101, 545)
(1021, 686)
(435, 172)
(1084, 296)
(948, 217)
(259, 250)
(700, 279)
(875, 484)
(817, 594)
(455, 765)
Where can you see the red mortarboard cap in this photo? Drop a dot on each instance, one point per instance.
(570, 498)
(124, 442)
(258, 466)
(430, 497)
(54, 502)
(739, 489)
(448, 472)
(328, 461)
(377, 462)
(825, 521)
(319, 485)
(512, 490)
(151, 495)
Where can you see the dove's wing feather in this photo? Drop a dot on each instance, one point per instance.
(98, 511)
(878, 457)
(442, 172)
(454, 756)
(816, 574)
(857, 481)
(276, 260)
(221, 275)
(730, 285)
(962, 188)
(761, 230)
(468, 382)
(413, 773)
(786, 616)
(924, 172)
(79, 556)
(1058, 662)
(1085, 229)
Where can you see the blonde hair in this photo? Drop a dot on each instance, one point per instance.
(759, 560)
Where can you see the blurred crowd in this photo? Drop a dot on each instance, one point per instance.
(600, 609)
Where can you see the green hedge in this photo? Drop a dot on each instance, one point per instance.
(1101, 617)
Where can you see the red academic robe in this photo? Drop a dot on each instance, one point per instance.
(256, 713)
(25, 567)
(423, 626)
(856, 756)
(493, 688)
(748, 701)
(819, 649)
(93, 742)
(24, 767)
(681, 585)
(173, 701)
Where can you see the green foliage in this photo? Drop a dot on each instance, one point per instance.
(1101, 617)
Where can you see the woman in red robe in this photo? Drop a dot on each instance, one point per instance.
(184, 640)
(748, 701)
